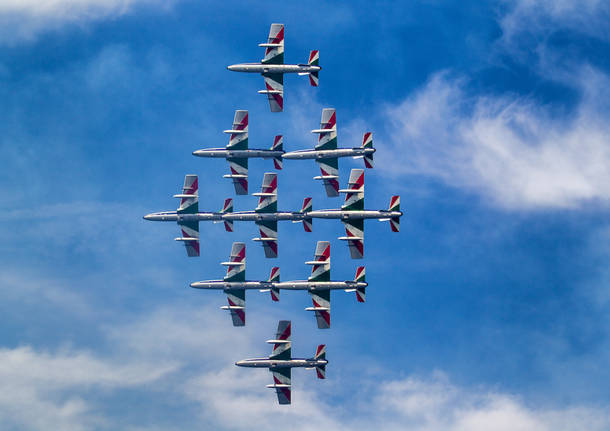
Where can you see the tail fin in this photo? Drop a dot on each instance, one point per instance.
(321, 354)
(360, 291)
(278, 145)
(274, 47)
(395, 206)
(307, 222)
(228, 208)
(274, 277)
(314, 60)
(367, 142)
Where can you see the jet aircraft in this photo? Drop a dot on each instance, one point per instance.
(188, 216)
(272, 68)
(237, 152)
(265, 215)
(326, 152)
(280, 363)
(353, 214)
(319, 285)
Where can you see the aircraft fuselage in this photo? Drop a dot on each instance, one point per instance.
(281, 363)
(223, 153)
(280, 215)
(326, 154)
(286, 285)
(273, 68)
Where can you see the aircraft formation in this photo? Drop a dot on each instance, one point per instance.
(266, 215)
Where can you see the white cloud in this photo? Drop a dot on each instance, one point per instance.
(42, 388)
(26, 19)
(514, 152)
(542, 17)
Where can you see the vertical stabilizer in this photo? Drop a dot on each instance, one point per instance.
(367, 142)
(314, 60)
(274, 277)
(228, 208)
(395, 206)
(278, 145)
(321, 355)
(360, 278)
(308, 221)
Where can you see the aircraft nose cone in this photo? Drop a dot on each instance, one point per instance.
(231, 67)
(147, 217)
(240, 363)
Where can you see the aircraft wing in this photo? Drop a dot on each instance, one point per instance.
(189, 204)
(321, 306)
(237, 305)
(354, 230)
(239, 141)
(281, 384)
(268, 237)
(190, 237)
(327, 140)
(274, 89)
(239, 174)
(329, 168)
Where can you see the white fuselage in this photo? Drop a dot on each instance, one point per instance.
(273, 68)
(286, 285)
(224, 153)
(326, 154)
(280, 215)
(281, 363)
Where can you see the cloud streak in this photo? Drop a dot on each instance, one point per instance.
(24, 20)
(511, 150)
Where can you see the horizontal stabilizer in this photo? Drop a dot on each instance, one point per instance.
(317, 309)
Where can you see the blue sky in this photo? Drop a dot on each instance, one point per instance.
(489, 310)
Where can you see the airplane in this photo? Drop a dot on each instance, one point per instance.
(326, 152)
(272, 68)
(237, 152)
(188, 216)
(265, 215)
(318, 284)
(280, 363)
(353, 214)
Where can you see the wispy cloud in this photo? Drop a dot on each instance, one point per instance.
(539, 18)
(41, 388)
(26, 19)
(515, 152)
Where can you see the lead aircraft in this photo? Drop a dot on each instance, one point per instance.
(319, 285)
(272, 68)
(327, 154)
(266, 215)
(237, 152)
(280, 363)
